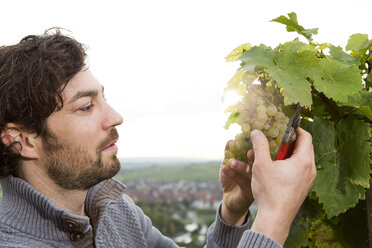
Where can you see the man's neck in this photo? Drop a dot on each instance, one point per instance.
(72, 200)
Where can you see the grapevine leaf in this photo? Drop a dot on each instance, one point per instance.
(357, 42)
(293, 26)
(259, 55)
(346, 230)
(325, 235)
(367, 111)
(338, 54)
(233, 118)
(362, 55)
(363, 102)
(237, 52)
(249, 68)
(310, 47)
(353, 136)
(292, 70)
(333, 184)
(338, 80)
(298, 234)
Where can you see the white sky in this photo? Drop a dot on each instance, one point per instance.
(162, 62)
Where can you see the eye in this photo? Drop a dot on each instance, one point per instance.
(87, 108)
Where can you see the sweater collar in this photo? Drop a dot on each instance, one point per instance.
(27, 210)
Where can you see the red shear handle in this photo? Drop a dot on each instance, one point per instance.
(285, 150)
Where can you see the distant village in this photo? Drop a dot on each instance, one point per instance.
(196, 195)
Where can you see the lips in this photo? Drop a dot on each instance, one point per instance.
(109, 142)
(111, 145)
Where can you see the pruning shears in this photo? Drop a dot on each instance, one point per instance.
(290, 136)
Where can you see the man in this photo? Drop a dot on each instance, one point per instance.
(58, 157)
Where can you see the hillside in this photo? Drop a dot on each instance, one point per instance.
(201, 172)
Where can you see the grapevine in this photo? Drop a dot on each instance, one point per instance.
(333, 87)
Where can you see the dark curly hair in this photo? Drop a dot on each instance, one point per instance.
(33, 74)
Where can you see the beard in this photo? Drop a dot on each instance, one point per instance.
(72, 168)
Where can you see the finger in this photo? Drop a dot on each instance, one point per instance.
(250, 156)
(242, 181)
(240, 167)
(260, 147)
(228, 144)
(303, 144)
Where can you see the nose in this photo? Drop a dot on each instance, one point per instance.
(112, 118)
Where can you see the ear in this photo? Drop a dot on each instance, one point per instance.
(20, 141)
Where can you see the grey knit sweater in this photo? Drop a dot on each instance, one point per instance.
(30, 219)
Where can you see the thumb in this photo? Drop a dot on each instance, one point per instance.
(261, 147)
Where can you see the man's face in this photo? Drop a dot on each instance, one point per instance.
(79, 149)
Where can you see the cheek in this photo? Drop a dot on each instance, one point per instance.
(85, 135)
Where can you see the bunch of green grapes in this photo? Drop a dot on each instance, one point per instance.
(257, 111)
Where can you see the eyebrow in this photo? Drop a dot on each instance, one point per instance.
(85, 93)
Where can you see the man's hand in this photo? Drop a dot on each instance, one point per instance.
(280, 187)
(237, 193)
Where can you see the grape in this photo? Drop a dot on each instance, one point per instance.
(240, 121)
(273, 132)
(285, 120)
(279, 116)
(257, 124)
(229, 154)
(240, 137)
(232, 146)
(282, 127)
(261, 109)
(271, 110)
(277, 125)
(257, 111)
(246, 127)
(238, 145)
(262, 116)
(247, 135)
